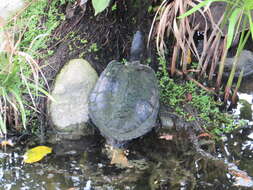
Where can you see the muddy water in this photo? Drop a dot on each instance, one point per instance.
(157, 164)
(161, 164)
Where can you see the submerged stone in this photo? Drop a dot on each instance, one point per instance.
(69, 112)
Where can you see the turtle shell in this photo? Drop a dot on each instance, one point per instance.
(124, 103)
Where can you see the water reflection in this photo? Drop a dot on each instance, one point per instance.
(159, 164)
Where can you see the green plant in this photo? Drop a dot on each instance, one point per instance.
(114, 7)
(20, 74)
(93, 48)
(14, 84)
(35, 35)
(176, 95)
(183, 32)
(238, 17)
(100, 5)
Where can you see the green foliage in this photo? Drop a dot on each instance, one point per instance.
(100, 5)
(37, 35)
(238, 16)
(175, 95)
(231, 27)
(19, 72)
(197, 8)
(114, 7)
(234, 13)
(93, 47)
(10, 90)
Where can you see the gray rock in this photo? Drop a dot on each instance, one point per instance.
(69, 113)
(166, 117)
(217, 9)
(8, 8)
(245, 61)
(170, 120)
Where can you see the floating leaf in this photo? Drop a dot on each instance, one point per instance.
(9, 142)
(100, 5)
(166, 136)
(36, 154)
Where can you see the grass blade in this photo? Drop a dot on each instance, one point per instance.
(231, 27)
(250, 23)
(42, 91)
(196, 8)
(21, 106)
(238, 84)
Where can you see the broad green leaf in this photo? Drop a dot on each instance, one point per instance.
(248, 4)
(231, 27)
(36, 154)
(197, 7)
(100, 5)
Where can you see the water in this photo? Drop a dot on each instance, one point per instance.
(157, 164)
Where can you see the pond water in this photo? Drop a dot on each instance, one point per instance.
(157, 164)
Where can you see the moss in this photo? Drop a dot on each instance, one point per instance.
(178, 93)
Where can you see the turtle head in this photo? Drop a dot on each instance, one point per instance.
(136, 47)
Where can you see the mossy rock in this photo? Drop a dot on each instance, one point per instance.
(72, 86)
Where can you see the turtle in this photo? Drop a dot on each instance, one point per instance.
(124, 103)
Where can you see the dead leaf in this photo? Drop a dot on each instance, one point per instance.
(166, 137)
(9, 142)
(189, 58)
(240, 174)
(205, 135)
(188, 97)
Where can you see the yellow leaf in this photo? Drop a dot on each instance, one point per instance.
(36, 154)
(189, 56)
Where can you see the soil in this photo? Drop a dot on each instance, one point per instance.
(111, 31)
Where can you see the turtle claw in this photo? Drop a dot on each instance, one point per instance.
(119, 158)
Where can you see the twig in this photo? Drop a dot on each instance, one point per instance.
(211, 90)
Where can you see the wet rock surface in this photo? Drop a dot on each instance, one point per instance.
(170, 120)
(245, 62)
(69, 111)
